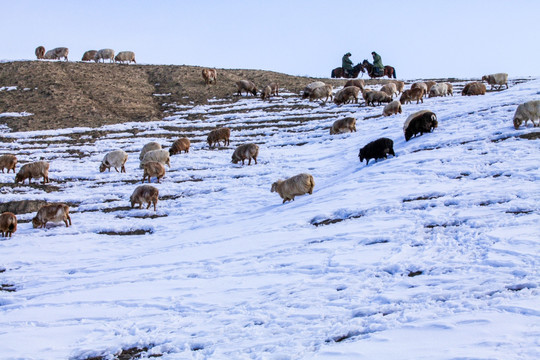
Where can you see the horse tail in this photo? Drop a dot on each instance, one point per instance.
(332, 75)
(393, 68)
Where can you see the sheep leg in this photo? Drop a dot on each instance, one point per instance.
(116, 169)
(69, 218)
(254, 158)
(155, 203)
(123, 169)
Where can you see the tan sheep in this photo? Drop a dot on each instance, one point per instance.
(153, 169)
(422, 85)
(356, 82)
(366, 92)
(8, 224)
(440, 89)
(116, 159)
(392, 108)
(270, 90)
(429, 85)
(8, 162)
(180, 145)
(347, 94)
(221, 134)
(297, 185)
(400, 85)
(496, 79)
(40, 52)
(152, 145)
(450, 88)
(144, 194)
(474, 88)
(125, 56)
(343, 125)
(246, 151)
(322, 91)
(527, 111)
(161, 156)
(247, 86)
(390, 89)
(209, 76)
(89, 55)
(377, 97)
(33, 170)
(413, 94)
(51, 212)
(310, 87)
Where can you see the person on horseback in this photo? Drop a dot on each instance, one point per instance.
(347, 65)
(378, 66)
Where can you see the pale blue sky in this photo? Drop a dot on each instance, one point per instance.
(419, 38)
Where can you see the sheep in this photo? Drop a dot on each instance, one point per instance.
(127, 56)
(440, 89)
(496, 79)
(474, 88)
(377, 149)
(89, 55)
(247, 86)
(366, 92)
(527, 111)
(180, 145)
(420, 122)
(161, 156)
(33, 170)
(144, 194)
(104, 54)
(392, 108)
(209, 76)
(347, 94)
(57, 53)
(356, 82)
(51, 212)
(297, 185)
(343, 125)
(270, 90)
(8, 162)
(390, 89)
(429, 85)
(116, 159)
(450, 88)
(310, 87)
(422, 85)
(377, 96)
(152, 145)
(153, 169)
(399, 86)
(322, 91)
(215, 136)
(246, 151)
(40, 52)
(8, 224)
(413, 94)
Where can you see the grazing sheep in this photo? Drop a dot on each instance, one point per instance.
(474, 88)
(209, 76)
(152, 145)
(310, 87)
(347, 94)
(40, 52)
(420, 122)
(125, 56)
(161, 156)
(356, 82)
(217, 135)
(297, 185)
(57, 54)
(33, 170)
(393, 108)
(343, 125)
(421, 85)
(270, 90)
(429, 85)
(377, 96)
(366, 92)
(496, 79)
(377, 149)
(180, 145)
(51, 212)
(247, 86)
(322, 91)
(153, 169)
(400, 85)
(144, 194)
(89, 55)
(450, 88)
(527, 111)
(8, 162)
(104, 54)
(246, 151)
(8, 224)
(440, 89)
(390, 89)
(413, 94)
(115, 159)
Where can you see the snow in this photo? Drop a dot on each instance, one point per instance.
(432, 254)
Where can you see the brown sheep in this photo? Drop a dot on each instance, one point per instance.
(346, 95)
(356, 82)
(180, 145)
(8, 162)
(297, 185)
(33, 170)
(474, 88)
(413, 94)
(215, 136)
(8, 224)
(153, 169)
(270, 90)
(343, 125)
(209, 76)
(246, 151)
(429, 85)
(247, 86)
(51, 212)
(422, 85)
(40, 52)
(144, 194)
(89, 55)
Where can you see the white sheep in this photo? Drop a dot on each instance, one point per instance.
(161, 156)
(496, 79)
(152, 145)
(390, 89)
(125, 56)
(297, 185)
(104, 54)
(57, 54)
(115, 159)
(310, 87)
(527, 111)
(440, 89)
(392, 108)
(322, 91)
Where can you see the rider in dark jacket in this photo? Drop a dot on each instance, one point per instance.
(347, 64)
(378, 66)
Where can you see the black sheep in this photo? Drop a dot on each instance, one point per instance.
(377, 149)
(419, 123)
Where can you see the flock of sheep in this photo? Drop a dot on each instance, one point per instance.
(96, 55)
(153, 157)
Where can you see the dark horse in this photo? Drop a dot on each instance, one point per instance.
(388, 70)
(339, 73)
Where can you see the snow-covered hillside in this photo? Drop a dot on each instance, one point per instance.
(432, 254)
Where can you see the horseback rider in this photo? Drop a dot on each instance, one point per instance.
(347, 65)
(378, 67)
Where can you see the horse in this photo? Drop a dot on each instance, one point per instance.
(339, 73)
(388, 70)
